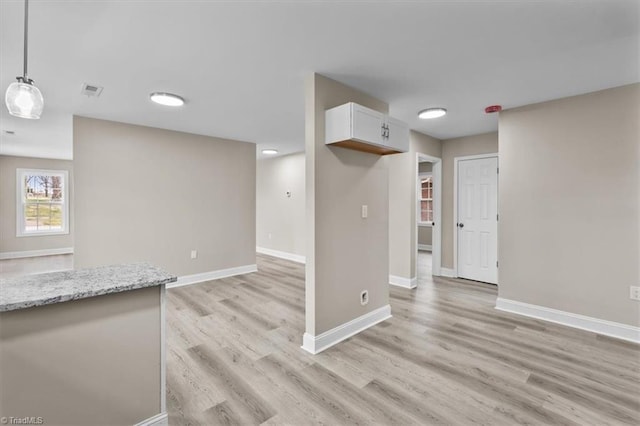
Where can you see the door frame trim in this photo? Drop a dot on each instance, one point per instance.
(456, 160)
(436, 233)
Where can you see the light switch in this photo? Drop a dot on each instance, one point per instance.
(365, 211)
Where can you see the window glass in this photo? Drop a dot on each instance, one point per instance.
(43, 202)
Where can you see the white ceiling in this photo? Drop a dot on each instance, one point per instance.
(241, 65)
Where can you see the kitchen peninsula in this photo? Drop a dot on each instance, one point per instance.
(85, 346)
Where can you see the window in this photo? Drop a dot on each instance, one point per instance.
(42, 202)
(426, 199)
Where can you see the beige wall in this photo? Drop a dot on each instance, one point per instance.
(345, 253)
(568, 229)
(147, 194)
(425, 167)
(93, 361)
(280, 220)
(451, 148)
(8, 240)
(403, 203)
(424, 235)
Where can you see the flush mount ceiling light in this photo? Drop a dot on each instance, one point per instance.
(269, 151)
(23, 98)
(167, 99)
(429, 113)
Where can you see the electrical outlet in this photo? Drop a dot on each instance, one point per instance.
(269, 235)
(364, 297)
(365, 211)
(194, 254)
(634, 293)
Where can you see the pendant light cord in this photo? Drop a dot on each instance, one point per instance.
(26, 30)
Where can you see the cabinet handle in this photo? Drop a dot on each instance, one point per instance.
(383, 130)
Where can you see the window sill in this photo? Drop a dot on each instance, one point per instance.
(425, 224)
(42, 234)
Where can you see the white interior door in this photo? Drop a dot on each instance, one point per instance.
(477, 222)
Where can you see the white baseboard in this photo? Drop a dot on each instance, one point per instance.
(161, 419)
(608, 328)
(212, 275)
(35, 253)
(446, 272)
(317, 344)
(426, 247)
(403, 282)
(282, 254)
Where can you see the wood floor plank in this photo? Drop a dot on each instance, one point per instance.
(445, 357)
(307, 393)
(253, 404)
(615, 411)
(372, 408)
(429, 385)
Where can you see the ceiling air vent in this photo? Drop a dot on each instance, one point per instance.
(91, 90)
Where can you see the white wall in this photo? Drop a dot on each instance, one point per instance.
(280, 219)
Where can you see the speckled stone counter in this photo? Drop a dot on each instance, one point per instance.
(85, 347)
(56, 287)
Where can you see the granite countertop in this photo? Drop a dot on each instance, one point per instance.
(55, 287)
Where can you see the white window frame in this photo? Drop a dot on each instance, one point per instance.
(20, 202)
(420, 177)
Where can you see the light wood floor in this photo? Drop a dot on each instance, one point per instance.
(11, 268)
(446, 357)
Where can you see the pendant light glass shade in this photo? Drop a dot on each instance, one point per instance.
(24, 100)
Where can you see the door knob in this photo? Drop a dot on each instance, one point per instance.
(461, 225)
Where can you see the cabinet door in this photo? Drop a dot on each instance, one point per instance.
(367, 125)
(398, 135)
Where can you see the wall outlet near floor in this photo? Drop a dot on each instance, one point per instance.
(364, 297)
(269, 235)
(634, 293)
(365, 211)
(194, 254)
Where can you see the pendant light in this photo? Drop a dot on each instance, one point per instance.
(23, 98)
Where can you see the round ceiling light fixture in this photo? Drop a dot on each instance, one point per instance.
(430, 113)
(269, 151)
(167, 99)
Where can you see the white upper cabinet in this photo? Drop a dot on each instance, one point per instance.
(397, 134)
(366, 124)
(356, 127)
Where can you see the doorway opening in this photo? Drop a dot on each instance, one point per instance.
(427, 247)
